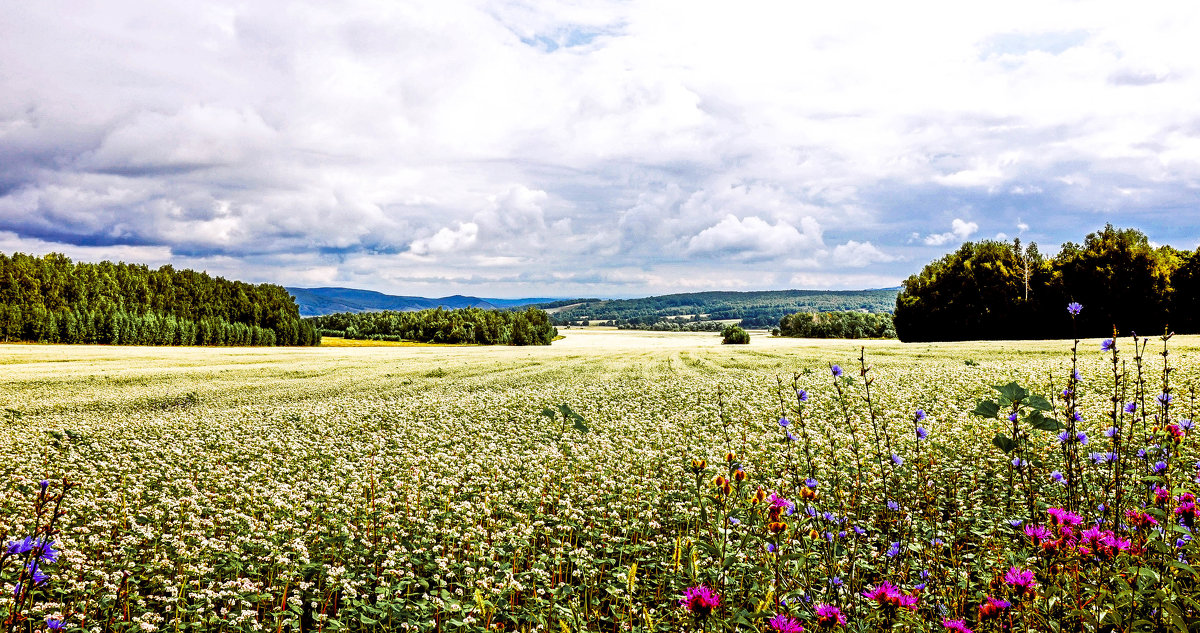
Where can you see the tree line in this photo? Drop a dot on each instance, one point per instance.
(51, 299)
(465, 325)
(837, 325)
(1004, 290)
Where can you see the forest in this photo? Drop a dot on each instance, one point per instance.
(463, 326)
(762, 309)
(51, 299)
(837, 325)
(1006, 290)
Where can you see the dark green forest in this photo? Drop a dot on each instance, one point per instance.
(761, 309)
(837, 325)
(465, 325)
(54, 300)
(1004, 290)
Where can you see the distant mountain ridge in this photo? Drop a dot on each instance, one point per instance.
(321, 301)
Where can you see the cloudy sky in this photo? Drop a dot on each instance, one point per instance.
(590, 148)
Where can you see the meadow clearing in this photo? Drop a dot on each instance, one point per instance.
(423, 488)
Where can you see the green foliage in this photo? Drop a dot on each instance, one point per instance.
(466, 325)
(735, 335)
(1000, 290)
(837, 325)
(54, 300)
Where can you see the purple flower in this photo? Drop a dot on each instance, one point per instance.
(1160, 466)
(21, 547)
(1108, 345)
(700, 600)
(1064, 437)
(1186, 424)
(893, 506)
(1074, 308)
(1076, 375)
(1057, 476)
(919, 415)
(897, 460)
(54, 625)
(784, 422)
(771, 547)
(1082, 437)
(956, 626)
(1021, 580)
(894, 550)
(790, 437)
(785, 624)
(1111, 432)
(922, 433)
(1131, 407)
(829, 615)
(1164, 398)
(44, 484)
(837, 371)
(811, 483)
(802, 395)
(1017, 462)
(36, 574)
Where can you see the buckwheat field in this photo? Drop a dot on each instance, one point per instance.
(614, 481)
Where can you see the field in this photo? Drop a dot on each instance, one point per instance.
(424, 488)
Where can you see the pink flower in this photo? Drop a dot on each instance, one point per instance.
(785, 624)
(957, 626)
(1021, 581)
(888, 595)
(1058, 516)
(1037, 532)
(700, 600)
(829, 615)
(993, 607)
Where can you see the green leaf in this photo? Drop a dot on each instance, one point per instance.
(566, 411)
(986, 409)
(1043, 423)
(1002, 442)
(580, 425)
(1012, 392)
(1034, 401)
(548, 412)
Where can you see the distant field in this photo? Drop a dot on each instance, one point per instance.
(258, 482)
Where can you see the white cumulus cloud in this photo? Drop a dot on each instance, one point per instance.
(752, 238)
(959, 230)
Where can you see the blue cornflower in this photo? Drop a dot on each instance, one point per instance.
(44, 484)
(828, 516)
(1016, 523)
(1074, 308)
(1111, 432)
(1108, 345)
(1082, 437)
(1164, 398)
(811, 483)
(837, 371)
(811, 511)
(829, 536)
(893, 506)
(1101, 508)
(1160, 466)
(771, 547)
(859, 531)
(54, 625)
(1077, 416)
(894, 549)
(897, 460)
(734, 521)
(924, 574)
(842, 534)
(1141, 453)
(936, 542)
(44, 549)
(922, 433)
(1186, 424)
(836, 581)
(1076, 375)
(36, 575)
(21, 547)
(802, 395)
(784, 422)
(919, 587)
(1131, 407)
(1057, 476)
(1064, 437)
(790, 437)
(919, 415)
(1012, 417)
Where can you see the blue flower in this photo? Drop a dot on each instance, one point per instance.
(1077, 417)
(1012, 417)
(811, 483)
(837, 371)
(790, 437)
(1111, 432)
(1186, 424)
(894, 549)
(811, 511)
(1160, 466)
(1108, 345)
(1131, 407)
(1082, 437)
(828, 516)
(1076, 375)
(802, 395)
(897, 460)
(936, 542)
(859, 531)
(893, 506)
(922, 433)
(924, 574)
(1064, 437)
(21, 547)
(1164, 398)
(771, 547)
(54, 625)
(919, 415)
(784, 422)
(35, 574)
(1074, 308)
(1017, 462)
(1057, 476)
(836, 581)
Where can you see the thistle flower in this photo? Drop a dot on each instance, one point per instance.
(1037, 532)
(993, 607)
(829, 616)
(1021, 580)
(1059, 516)
(956, 626)
(785, 624)
(700, 600)
(888, 595)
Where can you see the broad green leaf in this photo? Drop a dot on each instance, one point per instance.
(986, 409)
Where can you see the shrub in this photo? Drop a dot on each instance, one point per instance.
(733, 334)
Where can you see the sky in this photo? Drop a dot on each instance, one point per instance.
(517, 149)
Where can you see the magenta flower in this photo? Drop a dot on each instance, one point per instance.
(1059, 516)
(1021, 580)
(957, 626)
(700, 600)
(993, 607)
(1037, 532)
(829, 616)
(888, 595)
(785, 624)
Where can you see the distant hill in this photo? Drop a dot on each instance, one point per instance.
(754, 309)
(322, 301)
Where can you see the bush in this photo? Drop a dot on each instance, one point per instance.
(735, 335)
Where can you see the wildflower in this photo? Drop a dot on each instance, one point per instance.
(1138, 519)
(1160, 466)
(956, 626)
(21, 547)
(784, 422)
(1064, 437)
(897, 460)
(775, 527)
(922, 433)
(1057, 476)
(802, 395)
(993, 607)
(1186, 424)
(836, 370)
(1016, 523)
(859, 531)
(888, 595)
(1074, 308)
(36, 575)
(919, 415)
(1186, 508)
(1059, 516)
(894, 550)
(811, 483)
(739, 475)
(1076, 375)
(785, 624)
(698, 465)
(700, 600)
(1037, 532)
(1131, 407)
(1111, 432)
(1101, 458)
(790, 437)
(1012, 417)
(54, 625)
(1017, 462)
(1021, 580)
(771, 547)
(936, 542)
(1108, 345)
(1164, 398)
(893, 506)
(829, 616)
(1161, 495)
(829, 516)
(836, 581)
(1081, 437)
